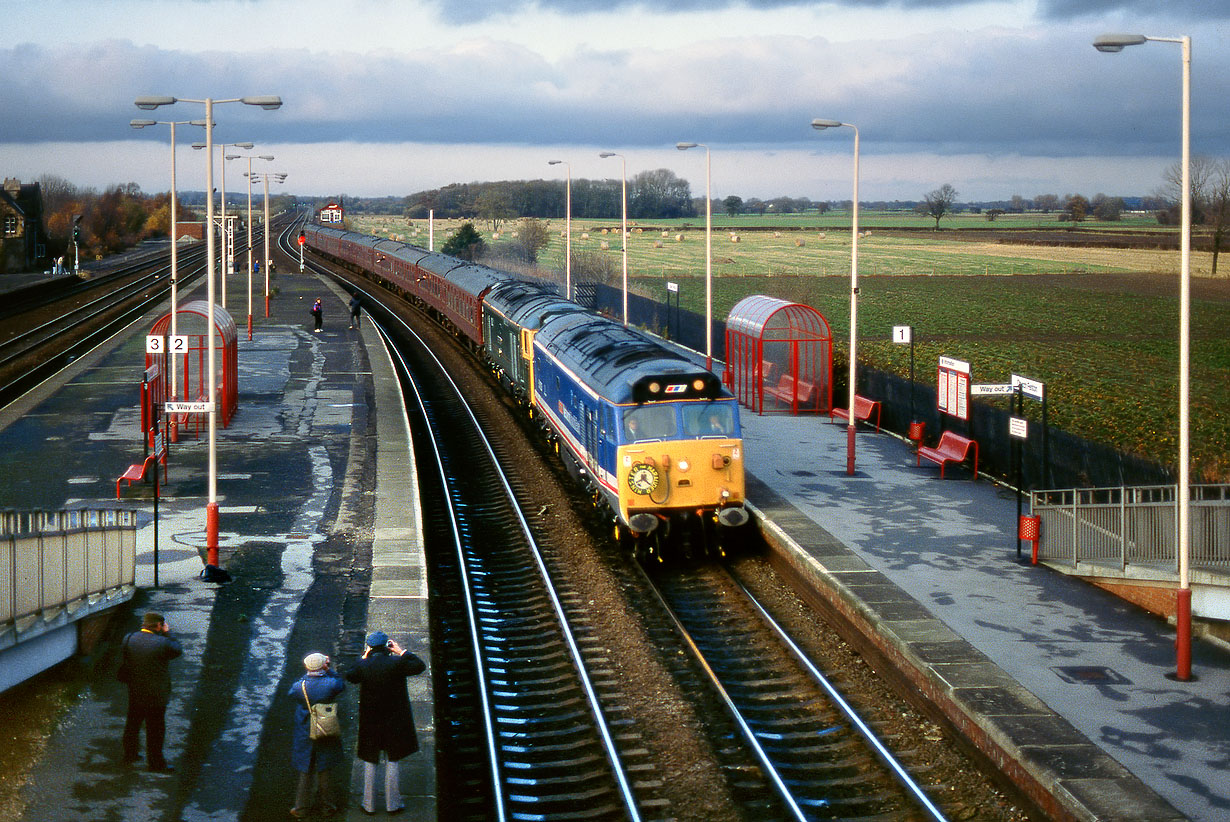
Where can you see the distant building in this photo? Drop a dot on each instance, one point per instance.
(23, 240)
(188, 232)
(332, 213)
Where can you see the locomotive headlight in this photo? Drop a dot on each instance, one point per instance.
(698, 385)
(684, 465)
(655, 388)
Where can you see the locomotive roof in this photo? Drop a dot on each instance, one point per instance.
(529, 304)
(621, 363)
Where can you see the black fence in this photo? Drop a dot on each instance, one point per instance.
(1050, 458)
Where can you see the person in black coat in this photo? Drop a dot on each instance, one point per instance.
(386, 723)
(145, 669)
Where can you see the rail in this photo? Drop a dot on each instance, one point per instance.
(1133, 526)
(54, 562)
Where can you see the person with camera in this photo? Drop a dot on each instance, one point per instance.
(386, 722)
(145, 668)
(314, 758)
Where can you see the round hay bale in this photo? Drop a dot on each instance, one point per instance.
(734, 238)
(584, 235)
(678, 238)
(657, 243)
(821, 235)
(777, 234)
(495, 235)
(604, 245)
(640, 230)
(666, 233)
(800, 242)
(606, 231)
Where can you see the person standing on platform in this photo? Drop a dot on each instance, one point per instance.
(386, 723)
(318, 314)
(145, 668)
(314, 758)
(354, 311)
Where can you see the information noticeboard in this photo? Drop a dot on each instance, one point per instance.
(952, 396)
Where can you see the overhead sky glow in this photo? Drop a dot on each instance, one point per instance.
(387, 97)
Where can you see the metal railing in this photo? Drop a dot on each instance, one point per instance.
(62, 560)
(1133, 526)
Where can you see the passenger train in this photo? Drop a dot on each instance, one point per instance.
(654, 437)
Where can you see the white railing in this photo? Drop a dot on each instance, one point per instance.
(53, 561)
(1133, 526)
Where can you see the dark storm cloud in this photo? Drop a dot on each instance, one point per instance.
(992, 93)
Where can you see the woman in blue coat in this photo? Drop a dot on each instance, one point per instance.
(314, 757)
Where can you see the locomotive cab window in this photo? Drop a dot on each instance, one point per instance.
(710, 419)
(649, 422)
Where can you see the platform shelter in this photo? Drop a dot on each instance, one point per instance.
(191, 363)
(779, 356)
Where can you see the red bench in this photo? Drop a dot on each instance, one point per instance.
(785, 390)
(135, 473)
(863, 409)
(951, 448)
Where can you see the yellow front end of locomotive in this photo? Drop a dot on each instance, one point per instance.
(703, 476)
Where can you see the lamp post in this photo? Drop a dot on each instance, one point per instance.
(228, 242)
(820, 125)
(249, 176)
(1183, 601)
(277, 177)
(567, 228)
(269, 103)
(708, 254)
(174, 225)
(623, 222)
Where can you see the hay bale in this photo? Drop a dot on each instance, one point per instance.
(800, 242)
(640, 230)
(678, 238)
(734, 238)
(666, 233)
(606, 231)
(777, 235)
(821, 235)
(657, 243)
(604, 245)
(495, 235)
(584, 235)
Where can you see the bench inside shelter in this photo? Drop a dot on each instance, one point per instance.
(863, 409)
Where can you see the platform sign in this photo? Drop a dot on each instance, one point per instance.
(188, 407)
(1018, 427)
(952, 398)
(992, 389)
(903, 334)
(672, 287)
(1030, 388)
(155, 344)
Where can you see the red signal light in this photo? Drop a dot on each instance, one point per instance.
(302, 239)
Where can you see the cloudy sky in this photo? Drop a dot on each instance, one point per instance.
(387, 97)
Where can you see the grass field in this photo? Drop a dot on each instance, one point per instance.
(1099, 326)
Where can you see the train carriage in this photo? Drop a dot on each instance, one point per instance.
(657, 435)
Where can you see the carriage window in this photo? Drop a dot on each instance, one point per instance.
(709, 420)
(649, 422)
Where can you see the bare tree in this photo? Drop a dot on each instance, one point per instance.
(1210, 182)
(939, 202)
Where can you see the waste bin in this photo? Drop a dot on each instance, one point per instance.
(916, 432)
(1030, 528)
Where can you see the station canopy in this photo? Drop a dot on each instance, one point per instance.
(779, 356)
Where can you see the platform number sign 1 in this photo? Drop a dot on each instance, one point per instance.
(903, 334)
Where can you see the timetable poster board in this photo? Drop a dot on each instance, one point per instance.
(953, 380)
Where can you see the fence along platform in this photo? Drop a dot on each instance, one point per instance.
(56, 568)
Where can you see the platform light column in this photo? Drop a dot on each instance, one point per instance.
(708, 253)
(1183, 601)
(623, 221)
(567, 228)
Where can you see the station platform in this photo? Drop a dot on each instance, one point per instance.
(317, 525)
(1057, 679)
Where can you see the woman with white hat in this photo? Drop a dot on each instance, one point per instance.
(314, 758)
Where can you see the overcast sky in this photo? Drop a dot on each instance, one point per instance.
(388, 97)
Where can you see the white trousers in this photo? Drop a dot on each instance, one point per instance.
(392, 789)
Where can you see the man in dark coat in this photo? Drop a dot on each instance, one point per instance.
(386, 723)
(147, 655)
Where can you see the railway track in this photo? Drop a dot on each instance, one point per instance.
(529, 717)
(816, 756)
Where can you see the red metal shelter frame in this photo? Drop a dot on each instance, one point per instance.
(192, 385)
(780, 349)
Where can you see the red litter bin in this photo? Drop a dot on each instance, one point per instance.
(916, 432)
(1030, 528)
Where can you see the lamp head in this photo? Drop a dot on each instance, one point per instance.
(198, 146)
(605, 154)
(686, 146)
(200, 123)
(142, 123)
(242, 145)
(265, 157)
(268, 102)
(820, 125)
(1111, 43)
(554, 162)
(234, 156)
(151, 103)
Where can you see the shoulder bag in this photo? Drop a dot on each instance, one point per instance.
(322, 718)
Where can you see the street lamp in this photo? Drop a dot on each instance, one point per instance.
(821, 125)
(228, 242)
(708, 254)
(174, 226)
(249, 176)
(567, 228)
(623, 223)
(277, 177)
(268, 103)
(1183, 602)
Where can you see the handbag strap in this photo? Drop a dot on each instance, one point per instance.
(305, 696)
